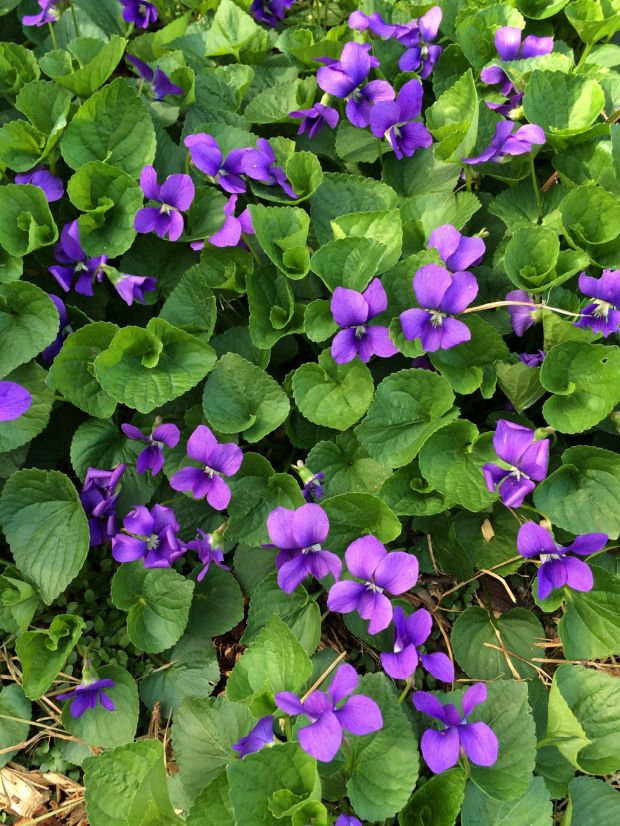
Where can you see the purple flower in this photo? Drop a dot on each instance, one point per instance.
(88, 695)
(558, 568)
(150, 536)
(139, 12)
(523, 316)
(423, 54)
(323, 737)
(259, 165)
(395, 121)
(52, 186)
(132, 287)
(312, 491)
(509, 47)
(458, 252)
(98, 497)
(152, 457)
(299, 534)
(260, 736)
(352, 311)
(603, 314)
(206, 156)
(75, 262)
(48, 14)
(347, 820)
(377, 25)
(51, 351)
(409, 634)
(380, 571)
(15, 400)
(441, 749)
(175, 196)
(315, 118)
(158, 79)
(533, 359)
(504, 143)
(217, 460)
(344, 78)
(441, 295)
(208, 553)
(229, 235)
(527, 460)
(270, 12)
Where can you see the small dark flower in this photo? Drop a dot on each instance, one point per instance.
(260, 736)
(533, 359)
(74, 263)
(270, 12)
(51, 185)
(206, 156)
(505, 143)
(422, 53)
(152, 457)
(527, 459)
(132, 287)
(158, 79)
(259, 165)
(509, 47)
(312, 491)
(458, 252)
(51, 351)
(139, 12)
(229, 234)
(395, 120)
(522, 316)
(315, 118)
(15, 400)
(48, 14)
(150, 536)
(410, 632)
(353, 310)
(98, 497)
(88, 695)
(603, 314)
(175, 196)
(207, 552)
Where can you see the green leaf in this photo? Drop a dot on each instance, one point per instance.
(100, 727)
(146, 367)
(534, 808)
(232, 30)
(587, 796)
(204, 731)
(28, 323)
(14, 704)
(41, 509)
(157, 601)
(46, 106)
(18, 603)
(594, 21)
(217, 604)
(21, 145)
(213, 803)
(273, 312)
(253, 499)
(540, 9)
(20, 431)
(99, 443)
(112, 126)
(282, 233)
(475, 31)
(520, 384)
(95, 60)
(18, 66)
(319, 323)
(239, 397)
(355, 514)
(409, 494)
(347, 467)
(355, 145)
(562, 104)
(437, 802)
(590, 217)
(384, 227)
(408, 407)
(333, 395)
(26, 223)
(42, 654)
(453, 120)
(348, 262)
(191, 304)
(590, 625)
(273, 104)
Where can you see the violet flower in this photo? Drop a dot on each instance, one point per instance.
(132, 287)
(505, 143)
(152, 457)
(527, 459)
(603, 314)
(48, 14)
(345, 78)
(260, 736)
(377, 25)
(229, 234)
(51, 185)
(259, 165)
(458, 252)
(88, 695)
(558, 568)
(395, 121)
(312, 491)
(217, 460)
(532, 359)
(315, 118)
(206, 156)
(380, 571)
(51, 351)
(15, 400)
(74, 263)
(522, 316)
(207, 552)
(509, 47)
(150, 536)
(139, 12)
(158, 80)
(299, 535)
(175, 196)
(98, 497)
(353, 310)
(328, 715)
(410, 632)
(441, 749)
(423, 53)
(270, 12)
(347, 820)
(441, 295)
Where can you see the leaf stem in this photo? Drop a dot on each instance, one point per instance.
(53, 35)
(405, 691)
(536, 188)
(75, 21)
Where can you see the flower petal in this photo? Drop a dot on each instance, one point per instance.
(578, 574)
(473, 696)
(440, 749)
(588, 543)
(363, 555)
(397, 572)
(439, 665)
(344, 597)
(344, 682)
(323, 738)
(533, 540)
(479, 743)
(348, 307)
(430, 284)
(359, 715)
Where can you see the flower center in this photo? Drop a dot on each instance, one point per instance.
(80, 267)
(165, 209)
(549, 557)
(371, 586)
(210, 472)
(602, 309)
(311, 549)
(360, 331)
(424, 52)
(437, 318)
(152, 542)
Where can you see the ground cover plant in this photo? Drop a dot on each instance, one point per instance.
(309, 412)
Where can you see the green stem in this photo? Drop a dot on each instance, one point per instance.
(75, 22)
(406, 689)
(53, 35)
(584, 54)
(537, 195)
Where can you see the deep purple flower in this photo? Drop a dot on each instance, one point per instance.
(509, 47)
(206, 156)
(323, 737)
(527, 460)
(229, 234)
(52, 186)
(217, 460)
(395, 121)
(423, 53)
(458, 252)
(409, 634)
(132, 287)
(344, 78)
(48, 14)
(347, 820)
(315, 118)
(312, 491)
(207, 552)
(15, 400)
(259, 165)
(353, 310)
(152, 457)
(441, 749)
(175, 196)
(98, 497)
(260, 736)
(533, 359)
(441, 295)
(299, 535)
(73, 262)
(51, 351)
(558, 568)
(377, 25)
(150, 536)
(380, 571)
(522, 316)
(270, 12)
(603, 314)
(139, 12)
(158, 79)
(88, 695)
(504, 143)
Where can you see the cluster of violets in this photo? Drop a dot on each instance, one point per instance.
(139, 12)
